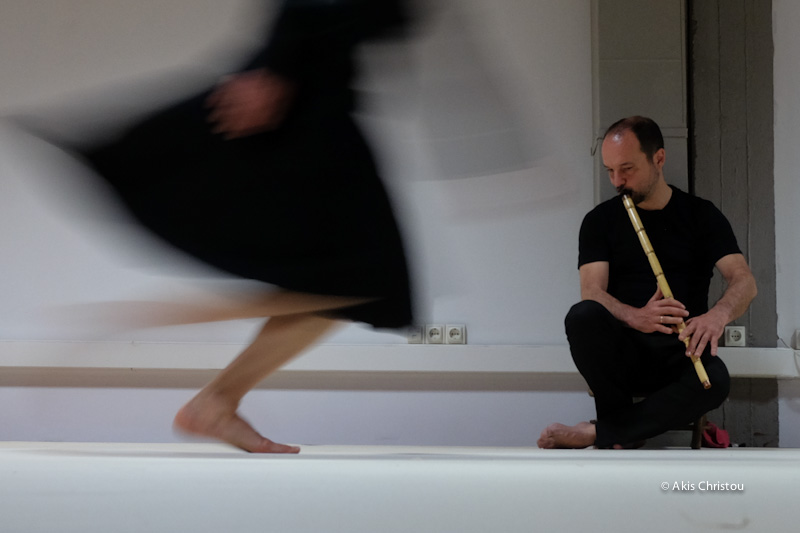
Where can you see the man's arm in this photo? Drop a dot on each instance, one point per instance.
(741, 290)
(659, 314)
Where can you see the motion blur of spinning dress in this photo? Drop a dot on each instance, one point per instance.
(300, 206)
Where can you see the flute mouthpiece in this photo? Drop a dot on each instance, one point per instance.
(627, 201)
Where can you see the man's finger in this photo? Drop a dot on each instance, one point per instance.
(676, 312)
(674, 302)
(714, 346)
(697, 345)
(657, 295)
(687, 331)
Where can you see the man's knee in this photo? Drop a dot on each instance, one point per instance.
(720, 382)
(584, 315)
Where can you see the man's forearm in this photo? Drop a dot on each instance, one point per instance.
(621, 311)
(736, 298)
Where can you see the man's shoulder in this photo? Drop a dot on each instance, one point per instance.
(607, 208)
(605, 216)
(694, 203)
(683, 196)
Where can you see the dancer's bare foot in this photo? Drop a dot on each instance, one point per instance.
(209, 416)
(581, 435)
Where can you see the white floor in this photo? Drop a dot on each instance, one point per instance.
(100, 487)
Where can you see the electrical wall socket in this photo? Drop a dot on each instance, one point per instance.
(455, 334)
(735, 336)
(796, 344)
(415, 335)
(434, 334)
(437, 334)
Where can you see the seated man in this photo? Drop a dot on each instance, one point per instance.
(623, 334)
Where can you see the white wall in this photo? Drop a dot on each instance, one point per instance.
(786, 17)
(787, 162)
(447, 418)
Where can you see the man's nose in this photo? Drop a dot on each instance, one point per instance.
(616, 178)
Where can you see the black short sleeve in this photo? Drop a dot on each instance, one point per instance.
(593, 242)
(717, 234)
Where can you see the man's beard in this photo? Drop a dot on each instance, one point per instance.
(640, 196)
(636, 197)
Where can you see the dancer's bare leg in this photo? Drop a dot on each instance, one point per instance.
(581, 435)
(292, 328)
(212, 413)
(211, 308)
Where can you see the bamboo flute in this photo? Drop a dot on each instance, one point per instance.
(661, 279)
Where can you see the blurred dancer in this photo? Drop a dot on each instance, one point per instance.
(266, 176)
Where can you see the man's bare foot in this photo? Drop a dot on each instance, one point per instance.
(208, 416)
(581, 435)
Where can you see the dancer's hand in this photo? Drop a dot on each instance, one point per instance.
(248, 103)
(659, 314)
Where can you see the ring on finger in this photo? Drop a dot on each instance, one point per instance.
(661, 320)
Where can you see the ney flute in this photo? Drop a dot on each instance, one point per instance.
(662, 280)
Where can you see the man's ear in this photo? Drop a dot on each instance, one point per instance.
(659, 157)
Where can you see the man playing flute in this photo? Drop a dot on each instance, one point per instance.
(623, 334)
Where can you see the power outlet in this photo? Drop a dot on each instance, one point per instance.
(455, 334)
(735, 336)
(796, 343)
(415, 335)
(434, 334)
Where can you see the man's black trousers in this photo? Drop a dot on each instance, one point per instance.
(620, 363)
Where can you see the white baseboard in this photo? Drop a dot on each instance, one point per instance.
(779, 363)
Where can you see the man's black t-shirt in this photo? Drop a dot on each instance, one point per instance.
(688, 236)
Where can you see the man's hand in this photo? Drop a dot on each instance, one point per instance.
(659, 314)
(704, 329)
(708, 328)
(248, 103)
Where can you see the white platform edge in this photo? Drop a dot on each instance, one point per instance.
(753, 362)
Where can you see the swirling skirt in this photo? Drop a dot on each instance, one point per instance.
(300, 207)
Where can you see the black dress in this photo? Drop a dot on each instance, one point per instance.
(301, 206)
